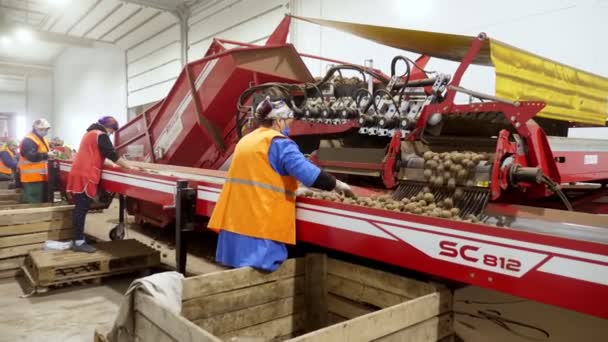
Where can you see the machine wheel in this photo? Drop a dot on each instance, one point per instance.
(118, 232)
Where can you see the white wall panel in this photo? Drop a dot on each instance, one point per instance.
(89, 83)
(160, 74)
(240, 20)
(154, 57)
(147, 63)
(171, 35)
(151, 94)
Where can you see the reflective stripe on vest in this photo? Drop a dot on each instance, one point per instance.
(34, 171)
(255, 200)
(3, 168)
(261, 185)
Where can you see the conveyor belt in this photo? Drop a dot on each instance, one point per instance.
(540, 259)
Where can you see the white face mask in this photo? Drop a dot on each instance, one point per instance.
(42, 132)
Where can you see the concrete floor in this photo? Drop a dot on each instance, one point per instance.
(73, 313)
(69, 314)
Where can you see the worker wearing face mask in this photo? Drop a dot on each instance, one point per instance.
(9, 160)
(35, 152)
(255, 212)
(85, 175)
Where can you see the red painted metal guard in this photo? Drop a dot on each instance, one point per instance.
(565, 272)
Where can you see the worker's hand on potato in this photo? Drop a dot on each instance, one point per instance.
(344, 188)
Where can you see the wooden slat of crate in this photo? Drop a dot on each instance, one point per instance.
(148, 331)
(270, 330)
(25, 206)
(10, 196)
(32, 215)
(346, 308)
(383, 322)
(236, 320)
(111, 257)
(208, 306)
(10, 273)
(362, 293)
(431, 330)
(25, 239)
(386, 281)
(36, 227)
(223, 281)
(11, 263)
(10, 252)
(172, 324)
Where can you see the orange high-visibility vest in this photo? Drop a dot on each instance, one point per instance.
(256, 201)
(3, 168)
(34, 171)
(86, 168)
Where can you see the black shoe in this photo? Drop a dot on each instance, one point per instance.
(85, 248)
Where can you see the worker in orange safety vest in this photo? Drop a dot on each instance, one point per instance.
(85, 175)
(35, 152)
(63, 151)
(256, 211)
(9, 160)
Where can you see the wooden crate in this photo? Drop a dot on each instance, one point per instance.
(306, 299)
(25, 227)
(8, 197)
(48, 268)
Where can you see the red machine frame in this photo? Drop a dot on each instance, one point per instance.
(554, 269)
(561, 271)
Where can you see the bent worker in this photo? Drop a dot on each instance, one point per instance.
(85, 175)
(35, 152)
(63, 151)
(255, 212)
(8, 161)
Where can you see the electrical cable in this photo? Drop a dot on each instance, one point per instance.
(554, 187)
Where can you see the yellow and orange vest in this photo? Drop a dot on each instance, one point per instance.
(34, 171)
(3, 168)
(256, 201)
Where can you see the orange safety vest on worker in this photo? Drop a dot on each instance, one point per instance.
(3, 168)
(256, 201)
(34, 171)
(86, 168)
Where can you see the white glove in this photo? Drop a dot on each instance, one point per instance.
(344, 188)
(51, 155)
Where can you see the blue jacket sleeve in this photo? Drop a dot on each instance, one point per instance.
(287, 160)
(7, 160)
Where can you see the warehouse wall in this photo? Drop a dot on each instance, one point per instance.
(569, 31)
(89, 82)
(154, 57)
(248, 21)
(34, 100)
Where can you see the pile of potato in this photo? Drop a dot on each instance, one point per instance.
(451, 168)
(421, 204)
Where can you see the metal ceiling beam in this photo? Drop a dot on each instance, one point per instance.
(164, 5)
(59, 38)
(10, 67)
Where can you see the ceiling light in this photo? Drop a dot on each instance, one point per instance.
(24, 35)
(6, 40)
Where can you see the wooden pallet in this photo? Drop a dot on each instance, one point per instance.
(50, 268)
(24, 228)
